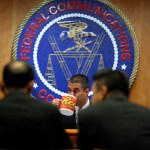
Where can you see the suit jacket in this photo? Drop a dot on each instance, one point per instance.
(115, 124)
(29, 123)
(69, 121)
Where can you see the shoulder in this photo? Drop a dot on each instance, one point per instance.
(98, 110)
(89, 112)
(45, 105)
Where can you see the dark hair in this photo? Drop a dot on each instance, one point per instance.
(80, 78)
(17, 74)
(114, 80)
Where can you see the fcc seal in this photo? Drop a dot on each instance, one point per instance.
(63, 38)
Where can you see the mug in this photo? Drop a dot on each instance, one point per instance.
(67, 105)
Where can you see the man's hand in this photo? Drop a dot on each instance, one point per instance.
(56, 102)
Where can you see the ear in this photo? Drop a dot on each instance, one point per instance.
(87, 91)
(2, 87)
(30, 86)
(104, 91)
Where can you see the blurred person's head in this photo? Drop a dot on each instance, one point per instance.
(79, 87)
(108, 82)
(17, 75)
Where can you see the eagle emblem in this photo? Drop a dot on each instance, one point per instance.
(77, 34)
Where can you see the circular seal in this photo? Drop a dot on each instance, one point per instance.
(61, 39)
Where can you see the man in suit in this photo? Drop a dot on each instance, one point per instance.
(78, 86)
(112, 122)
(24, 121)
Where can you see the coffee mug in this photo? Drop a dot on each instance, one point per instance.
(67, 104)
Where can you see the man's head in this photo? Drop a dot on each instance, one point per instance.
(107, 82)
(79, 87)
(17, 75)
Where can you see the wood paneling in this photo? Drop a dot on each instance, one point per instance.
(137, 11)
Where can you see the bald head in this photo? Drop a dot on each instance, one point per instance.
(17, 74)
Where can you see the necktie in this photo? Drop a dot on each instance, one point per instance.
(76, 116)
